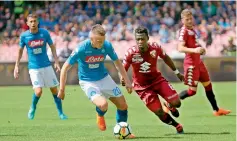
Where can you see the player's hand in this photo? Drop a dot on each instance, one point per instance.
(61, 94)
(129, 87)
(180, 76)
(122, 81)
(16, 72)
(57, 66)
(200, 50)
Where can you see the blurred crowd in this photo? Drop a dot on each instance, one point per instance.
(70, 21)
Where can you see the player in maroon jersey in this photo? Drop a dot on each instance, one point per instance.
(148, 81)
(194, 69)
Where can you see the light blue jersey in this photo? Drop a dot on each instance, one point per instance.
(91, 60)
(36, 45)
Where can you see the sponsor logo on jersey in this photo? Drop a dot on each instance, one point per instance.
(153, 54)
(136, 58)
(36, 43)
(94, 59)
(190, 32)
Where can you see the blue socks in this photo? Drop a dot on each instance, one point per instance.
(58, 103)
(100, 113)
(121, 115)
(35, 100)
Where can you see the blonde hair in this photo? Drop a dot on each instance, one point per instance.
(32, 16)
(186, 12)
(98, 29)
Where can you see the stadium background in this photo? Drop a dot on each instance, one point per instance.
(69, 23)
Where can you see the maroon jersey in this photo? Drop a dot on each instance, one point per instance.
(190, 38)
(144, 65)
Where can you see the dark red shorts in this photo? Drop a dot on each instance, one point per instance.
(150, 95)
(195, 74)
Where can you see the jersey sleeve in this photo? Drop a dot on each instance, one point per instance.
(112, 54)
(127, 59)
(72, 59)
(48, 37)
(160, 52)
(21, 42)
(183, 35)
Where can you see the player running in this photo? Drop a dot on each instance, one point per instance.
(148, 82)
(94, 78)
(41, 72)
(194, 69)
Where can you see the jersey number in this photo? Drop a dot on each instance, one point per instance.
(37, 50)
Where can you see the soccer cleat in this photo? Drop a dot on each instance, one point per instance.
(131, 136)
(221, 112)
(63, 117)
(173, 110)
(179, 129)
(101, 122)
(31, 113)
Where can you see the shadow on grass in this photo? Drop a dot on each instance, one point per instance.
(12, 135)
(201, 133)
(147, 137)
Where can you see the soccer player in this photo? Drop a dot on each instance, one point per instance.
(194, 68)
(94, 78)
(41, 72)
(148, 82)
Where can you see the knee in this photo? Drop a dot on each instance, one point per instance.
(38, 92)
(176, 103)
(123, 106)
(103, 106)
(159, 112)
(54, 90)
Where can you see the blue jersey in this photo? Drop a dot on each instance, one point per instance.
(36, 44)
(91, 60)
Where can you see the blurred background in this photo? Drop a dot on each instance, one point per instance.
(69, 23)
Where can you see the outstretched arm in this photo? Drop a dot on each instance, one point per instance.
(16, 70)
(124, 75)
(170, 63)
(63, 79)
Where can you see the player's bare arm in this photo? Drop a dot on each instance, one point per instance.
(56, 65)
(63, 79)
(182, 48)
(170, 63)
(124, 75)
(16, 70)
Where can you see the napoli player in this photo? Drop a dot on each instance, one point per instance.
(41, 72)
(94, 78)
(194, 69)
(148, 82)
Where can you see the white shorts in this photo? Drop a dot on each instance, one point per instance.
(105, 87)
(43, 77)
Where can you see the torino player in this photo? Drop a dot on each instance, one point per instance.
(148, 81)
(194, 69)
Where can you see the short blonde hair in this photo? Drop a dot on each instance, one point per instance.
(98, 29)
(186, 12)
(32, 16)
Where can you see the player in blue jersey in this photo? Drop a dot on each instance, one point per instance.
(41, 72)
(94, 78)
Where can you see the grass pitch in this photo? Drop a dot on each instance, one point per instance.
(196, 117)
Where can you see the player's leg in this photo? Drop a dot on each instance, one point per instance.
(38, 83)
(51, 81)
(92, 90)
(151, 99)
(165, 90)
(191, 75)
(58, 103)
(205, 80)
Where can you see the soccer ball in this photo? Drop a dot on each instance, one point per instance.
(122, 130)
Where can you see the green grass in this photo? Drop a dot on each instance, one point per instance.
(196, 117)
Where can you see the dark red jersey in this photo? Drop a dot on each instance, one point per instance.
(144, 65)
(190, 38)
